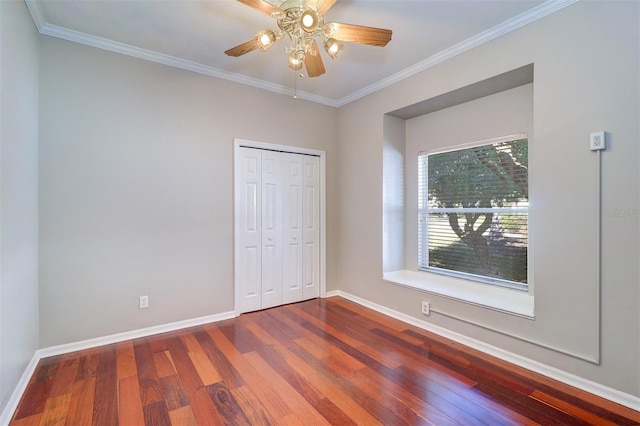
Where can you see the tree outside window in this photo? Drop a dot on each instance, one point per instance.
(473, 211)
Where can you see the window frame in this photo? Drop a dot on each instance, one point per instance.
(424, 210)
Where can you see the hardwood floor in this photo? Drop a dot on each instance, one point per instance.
(318, 362)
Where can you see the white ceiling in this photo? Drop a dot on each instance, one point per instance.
(193, 34)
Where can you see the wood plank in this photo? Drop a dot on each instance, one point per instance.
(344, 402)
(88, 365)
(130, 401)
(27, 421)
(201, 404)
(65, 377)
(204, 409)
(191, 343)
(47, 368)
(156, 414)
(81, 406)
(295, 400)
(173, 392)
(183, 417)
(273, 355)
(150, 389)
(164, 364)
(126, 360)
(253, 407)
(267, 396)
(227, 405)
(55, 411)
(571, 409)
(105, 405)
(228, 371)
(207, 372)
(34, 399)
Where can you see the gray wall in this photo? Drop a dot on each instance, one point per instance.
(18, 194)
(136, 179)
(584, 81)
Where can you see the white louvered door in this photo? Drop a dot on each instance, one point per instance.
(277, 228)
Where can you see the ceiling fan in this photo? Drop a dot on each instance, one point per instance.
(303, 22)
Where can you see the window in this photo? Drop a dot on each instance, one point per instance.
(473, 211)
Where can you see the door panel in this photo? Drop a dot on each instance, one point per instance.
(292, 228)
(271, 229)
(311, 224)
(249, 238)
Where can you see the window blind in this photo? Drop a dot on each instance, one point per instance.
(473, 206)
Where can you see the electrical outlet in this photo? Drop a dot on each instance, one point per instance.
(144, 302)
(597, 141)
(426, 308)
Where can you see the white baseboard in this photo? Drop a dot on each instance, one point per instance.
(134, 334)
(14, 400)
(606, 392)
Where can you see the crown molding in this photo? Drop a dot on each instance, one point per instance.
(36, 14)
(486, 36)
(150, 55)
(514, 23)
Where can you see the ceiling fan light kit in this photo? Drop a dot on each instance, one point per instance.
(303, 22)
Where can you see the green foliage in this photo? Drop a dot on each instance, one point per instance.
(485, 176)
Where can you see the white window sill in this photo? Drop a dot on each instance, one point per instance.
(515, 302)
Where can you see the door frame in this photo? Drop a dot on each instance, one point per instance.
(238, 143)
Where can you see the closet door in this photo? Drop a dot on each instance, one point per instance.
(311, 225)
(271, 229)
(249, 229)
(292, 267)
(277, 211)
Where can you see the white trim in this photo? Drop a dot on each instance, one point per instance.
(36, 15)
(134, 334)
(18, 391)
(238, 143)
(474, 144)
(586, 385)
(276, 147)
(20, 388)
(478, 210)
(451, 286)
(486, 36)
(505, 27)
(161, 58)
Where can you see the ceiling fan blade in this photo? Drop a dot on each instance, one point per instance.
(261, 5)
(313, 61)
(358, 34)
(322, 5)
(243, 48)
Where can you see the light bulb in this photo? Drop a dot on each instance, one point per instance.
(265, 39)
(309, 20)
(295, 60)
(333, 47)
